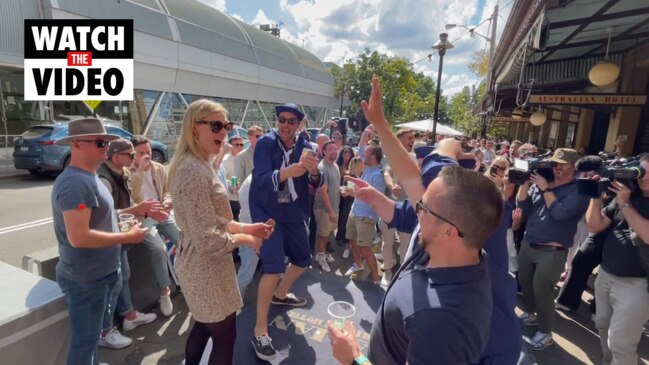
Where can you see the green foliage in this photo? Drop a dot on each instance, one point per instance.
(480, 63)
(461, 112)
(408, 95)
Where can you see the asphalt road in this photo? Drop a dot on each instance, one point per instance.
(26, 219)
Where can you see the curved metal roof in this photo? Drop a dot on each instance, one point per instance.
(205, 27)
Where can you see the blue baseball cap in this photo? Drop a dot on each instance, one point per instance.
(423, 151)
(289, 107)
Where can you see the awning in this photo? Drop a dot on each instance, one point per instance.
(426, 125)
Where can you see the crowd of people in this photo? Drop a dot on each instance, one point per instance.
(437, 224)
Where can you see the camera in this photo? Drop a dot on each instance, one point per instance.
(625, 171)
(523, 169)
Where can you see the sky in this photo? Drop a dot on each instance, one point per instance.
(339, 30)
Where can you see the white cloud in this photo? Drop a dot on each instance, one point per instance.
(217, 4)
(341, 30)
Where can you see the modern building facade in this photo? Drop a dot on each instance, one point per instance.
(548, 50)
(184, 50)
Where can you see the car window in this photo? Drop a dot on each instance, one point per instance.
(36, 132)
(118, 131)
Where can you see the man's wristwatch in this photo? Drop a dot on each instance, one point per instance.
(360, 360)
(625, 205)
(543, 191)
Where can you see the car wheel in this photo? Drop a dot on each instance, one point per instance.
(39, 173)
(157, 156)
(66, 162)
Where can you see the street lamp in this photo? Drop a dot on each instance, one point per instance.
(441, 46)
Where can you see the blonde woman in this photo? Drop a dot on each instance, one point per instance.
(208, 235)
(497, 171)
(356, 168)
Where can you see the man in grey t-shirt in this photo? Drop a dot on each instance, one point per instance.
(85, 225)
(326, 203)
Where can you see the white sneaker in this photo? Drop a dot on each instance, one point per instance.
(140, 319)
(321, 259)
(346, 253)
(166, 307)
(387, 278)
(329, 258)
(115, 340)
(354, 269)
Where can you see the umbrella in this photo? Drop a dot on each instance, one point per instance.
(426, 125)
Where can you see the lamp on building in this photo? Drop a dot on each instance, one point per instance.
(538, 118)
(604, 72)
(517, 114)
(441, 46)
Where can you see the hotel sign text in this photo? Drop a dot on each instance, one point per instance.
(588, 99)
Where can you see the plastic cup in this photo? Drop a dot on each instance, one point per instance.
(351, 185)
(340, 312)
(126, 222)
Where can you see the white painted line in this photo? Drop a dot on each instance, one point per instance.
(27, 225)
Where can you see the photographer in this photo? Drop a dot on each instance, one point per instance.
(621, 285)
(552, 210)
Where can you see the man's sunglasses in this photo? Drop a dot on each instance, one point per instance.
(420, 206)
(101, 143)
(217, 125)
(238, 144)
(291, 121)
(130, 155)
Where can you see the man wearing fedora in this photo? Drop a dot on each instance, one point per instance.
(85, 225)
(280, 185)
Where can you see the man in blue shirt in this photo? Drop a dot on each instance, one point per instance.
(280, 186)
(504, 344)
(552, 210)
(361, 225)
(85, 225)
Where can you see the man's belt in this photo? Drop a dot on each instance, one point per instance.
(547, 247)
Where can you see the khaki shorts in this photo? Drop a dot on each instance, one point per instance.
(361, 229)
(323, 223)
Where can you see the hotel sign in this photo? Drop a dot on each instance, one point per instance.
(509, 119)
(588, 99)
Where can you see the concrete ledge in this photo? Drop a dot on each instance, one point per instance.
(42, 263)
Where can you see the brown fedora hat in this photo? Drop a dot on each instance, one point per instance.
(86, 127)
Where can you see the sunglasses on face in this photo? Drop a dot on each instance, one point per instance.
(420, 206)
(217, 125)
(238, 144)
(291, 121)
(130, 155)
(100, 143)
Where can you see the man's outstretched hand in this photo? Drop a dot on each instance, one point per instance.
(373, 109)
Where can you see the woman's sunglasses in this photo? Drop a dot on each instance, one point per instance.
(217, 125)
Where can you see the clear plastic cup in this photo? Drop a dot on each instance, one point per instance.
(340, 312)
(351, 185)
(126, 222)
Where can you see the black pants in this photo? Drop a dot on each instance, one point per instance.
(586, 260)
(343, 215)
(236, 208)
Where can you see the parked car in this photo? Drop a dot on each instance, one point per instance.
(36, 151)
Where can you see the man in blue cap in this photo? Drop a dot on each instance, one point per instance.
(285, 166)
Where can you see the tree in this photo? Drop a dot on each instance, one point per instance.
(480, 63)
(407, 95)
(461, 112)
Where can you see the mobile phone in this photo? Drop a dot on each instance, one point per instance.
(493, 170)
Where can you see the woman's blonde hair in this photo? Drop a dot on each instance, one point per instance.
(356, 166)
(188, 141)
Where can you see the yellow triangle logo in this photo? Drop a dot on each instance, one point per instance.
(93, 104)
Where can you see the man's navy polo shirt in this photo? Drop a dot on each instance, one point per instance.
(433, 316)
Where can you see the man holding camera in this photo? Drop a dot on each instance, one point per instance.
(621, 285)
(552, 210)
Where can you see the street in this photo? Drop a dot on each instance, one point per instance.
(26, 221)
